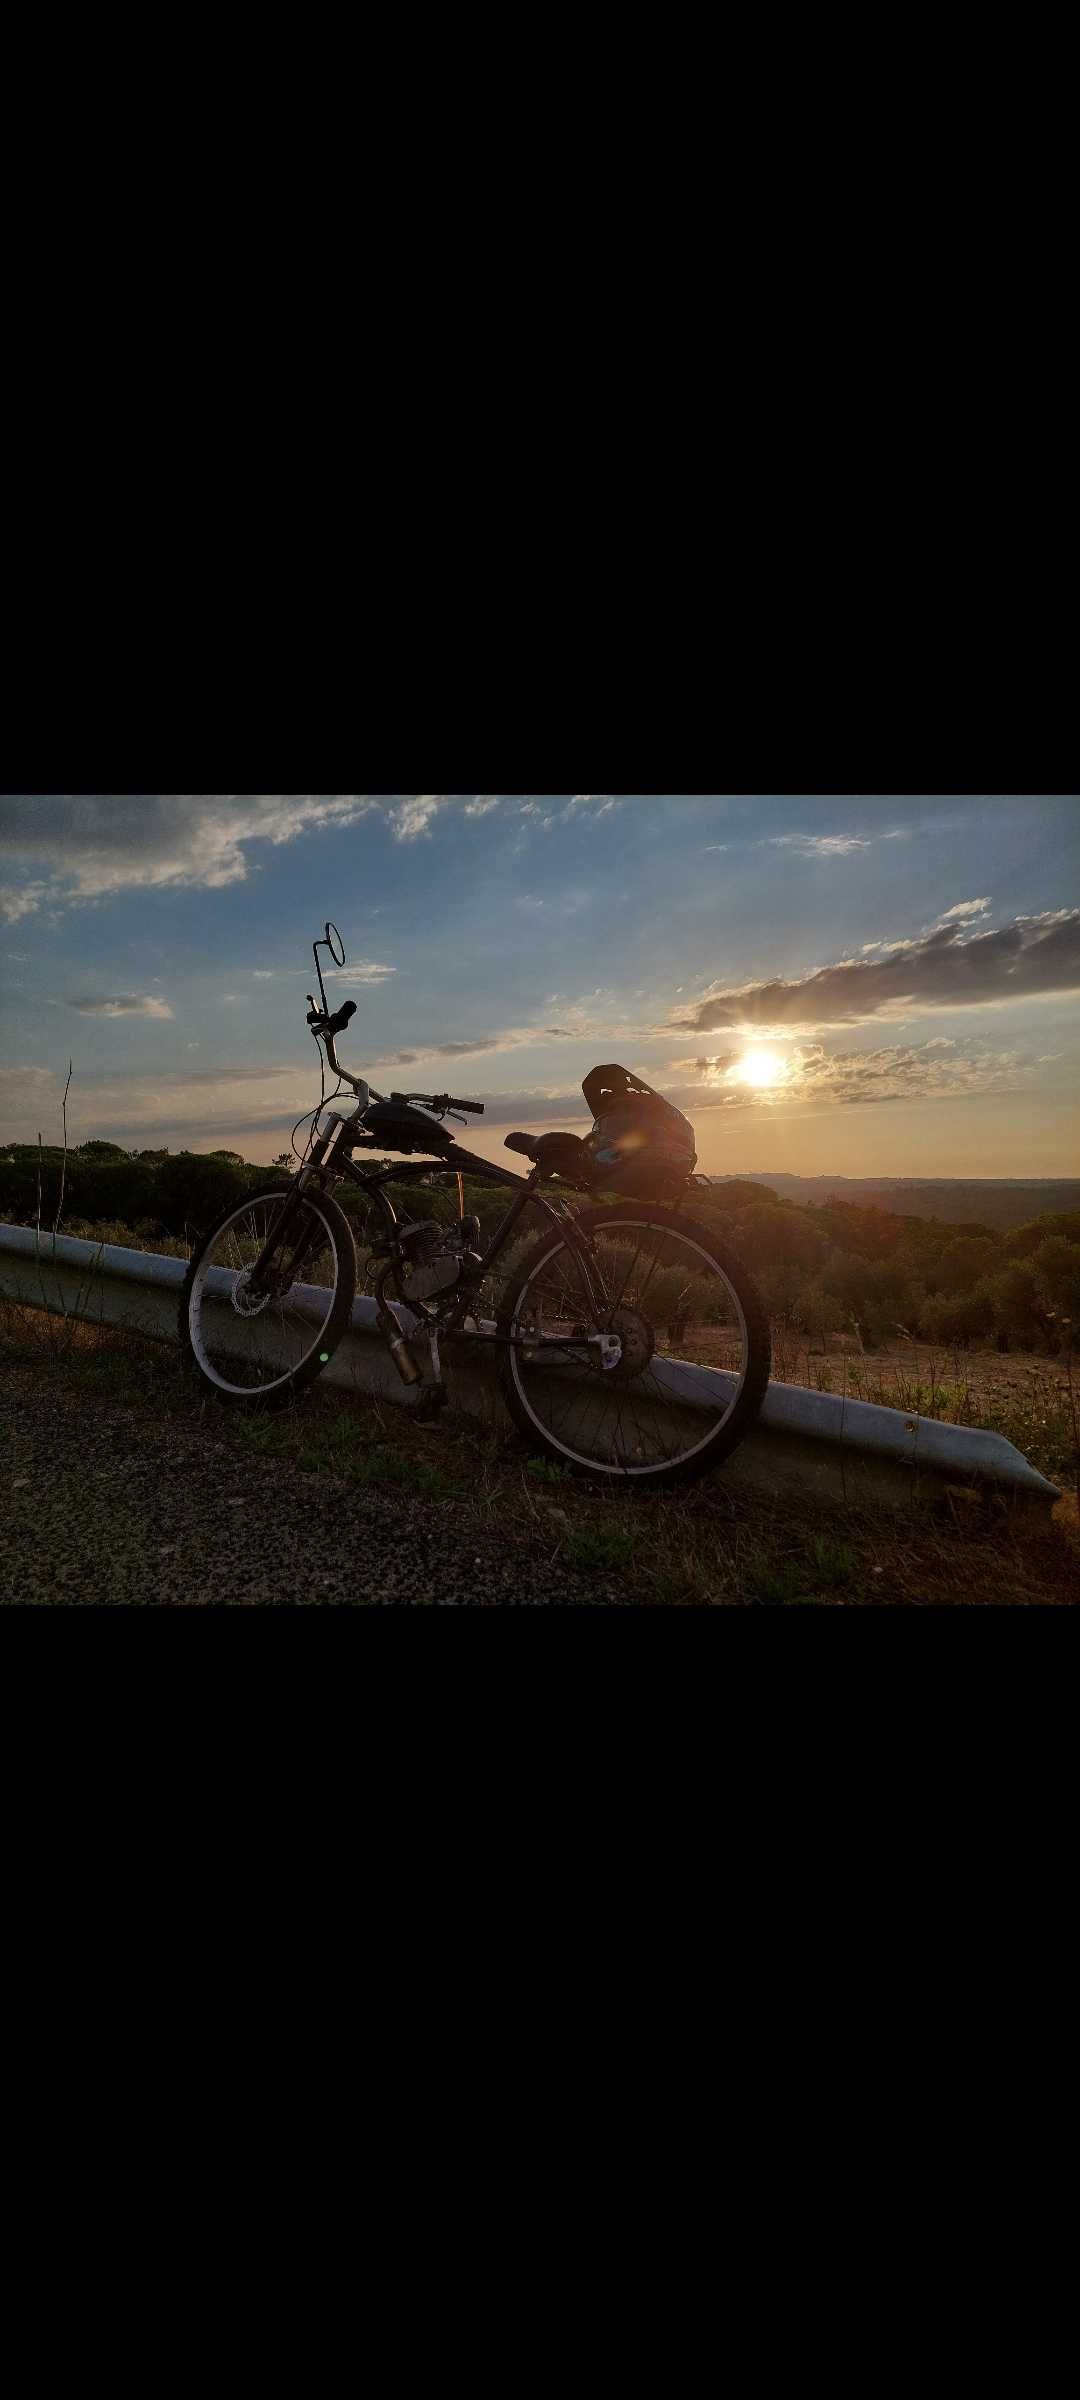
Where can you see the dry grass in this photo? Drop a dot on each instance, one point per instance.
(706, 1546)
(1013, 1393)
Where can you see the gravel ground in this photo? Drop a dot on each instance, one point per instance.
(110, 1504)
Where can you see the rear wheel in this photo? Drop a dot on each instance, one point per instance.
(260, 1347)
(693, 1354)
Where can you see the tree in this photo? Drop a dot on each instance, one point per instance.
(967, 1260)
(1056, 1268)
(956, 1317)
(233, 1156)
(880, 1293)
(104, 1150)
(1024, 1240)
(285, 1160)
(781, 1248)
(731, 1196)
(820, 1312)
(192, 1190)
(1014, 1300)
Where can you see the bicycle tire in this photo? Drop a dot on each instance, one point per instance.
(737, 1422)
(325, 1337)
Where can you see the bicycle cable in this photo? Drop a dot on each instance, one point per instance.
(314, 1113)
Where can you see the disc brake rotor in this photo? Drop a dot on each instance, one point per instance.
(246, 1302)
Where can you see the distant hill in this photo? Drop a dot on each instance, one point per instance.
(999, 1202)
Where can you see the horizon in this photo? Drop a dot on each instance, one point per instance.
(869, 989)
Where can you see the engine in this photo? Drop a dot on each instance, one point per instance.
(435, 1256)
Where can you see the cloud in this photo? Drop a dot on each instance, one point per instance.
(830, 845)
(599, 804)
(516, 1037)
(412, 817)
(169, 1106)
(208, 1104)
(265, 974)
(963, 908)
(366, 970)
(815, 845)
(21, 902)
(938, 1069)
(941, 970)
(485, 1041)
(97, 844)
(19, 1085)
(709, 1068)
(129, 1004)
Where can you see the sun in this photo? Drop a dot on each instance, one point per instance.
(760, 1067)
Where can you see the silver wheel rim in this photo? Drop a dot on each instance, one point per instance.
(248, 1355)
(616, 1415)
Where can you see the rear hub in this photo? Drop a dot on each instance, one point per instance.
(638, 1344)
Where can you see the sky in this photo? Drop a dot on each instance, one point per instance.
(853, 986)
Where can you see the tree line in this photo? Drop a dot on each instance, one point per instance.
(823, 1267)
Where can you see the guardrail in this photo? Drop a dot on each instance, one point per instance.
(839, 1449)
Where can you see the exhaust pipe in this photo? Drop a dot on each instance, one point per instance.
(396, 1343)
(403, 1359)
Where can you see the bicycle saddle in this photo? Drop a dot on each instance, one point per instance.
(554, 1153)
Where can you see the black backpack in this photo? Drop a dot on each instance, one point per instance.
(639, 1145)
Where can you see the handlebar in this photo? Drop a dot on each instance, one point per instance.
(323, 1025)
(325, 1028)
(440, 1100)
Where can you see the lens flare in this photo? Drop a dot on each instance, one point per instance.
(761, 1068)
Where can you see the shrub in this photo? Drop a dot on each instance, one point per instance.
(191, 1190)
(1014, 1302)
(820, 1312)
(956, 1316)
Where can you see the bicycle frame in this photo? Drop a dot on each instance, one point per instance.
(331, 1160)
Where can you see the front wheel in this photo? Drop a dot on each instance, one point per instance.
(688, 1369)
(263, 1343)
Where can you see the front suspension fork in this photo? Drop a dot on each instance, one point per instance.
(285, 1274)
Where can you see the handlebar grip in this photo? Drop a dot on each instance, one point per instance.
(332, 1025)
(475, 1107)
